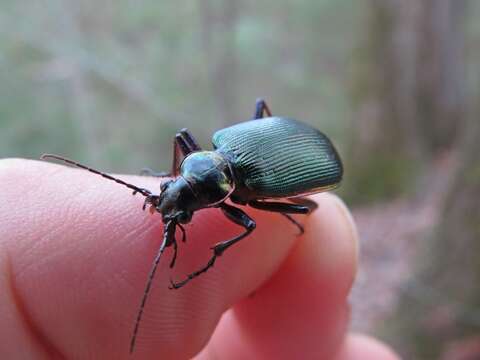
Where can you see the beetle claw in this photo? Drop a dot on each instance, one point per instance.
(152, 201)
(173, 285)
(144, 192)
(145, 203)
(184, 234)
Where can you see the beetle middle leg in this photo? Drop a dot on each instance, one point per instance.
(238, 217)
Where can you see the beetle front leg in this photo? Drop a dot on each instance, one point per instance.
(183, 144)
(238, 217)
(190, 140)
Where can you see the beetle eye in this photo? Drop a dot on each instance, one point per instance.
(163, 186)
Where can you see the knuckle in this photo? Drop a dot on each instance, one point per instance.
(9, 165)
(23, 177)
(15, 173)
(12, 171)
(15, 167)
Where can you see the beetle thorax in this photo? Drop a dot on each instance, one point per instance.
(205, 180)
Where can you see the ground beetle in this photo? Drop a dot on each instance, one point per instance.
(264, 158)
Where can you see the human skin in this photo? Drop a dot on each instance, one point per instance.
(75, 251)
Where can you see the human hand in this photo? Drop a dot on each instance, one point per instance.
(75, 251)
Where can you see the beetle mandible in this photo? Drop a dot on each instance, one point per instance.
(260, 159)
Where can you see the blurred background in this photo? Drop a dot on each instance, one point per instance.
(394, 83)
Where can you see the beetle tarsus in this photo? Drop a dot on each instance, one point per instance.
(143, 191)
(151, 200)
(300, 227)
(174, 286)
(184, 233)
(175, 249)
(178, 285)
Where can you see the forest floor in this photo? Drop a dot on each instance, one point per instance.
(391, 235)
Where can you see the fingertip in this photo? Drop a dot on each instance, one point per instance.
(330, 250)
(302, 308)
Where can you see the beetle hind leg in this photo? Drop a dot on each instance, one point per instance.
(301, 205)
(280, 207)
(309, 203)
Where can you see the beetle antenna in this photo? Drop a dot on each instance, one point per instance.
(136, 189)
(168, 239)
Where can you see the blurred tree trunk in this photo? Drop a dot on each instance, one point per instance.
(386, 144)
(218, 37)
(441, 72)
(409, 89)
(441, 303)
(455, 267)
(442, 300)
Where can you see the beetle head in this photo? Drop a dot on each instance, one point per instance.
(176, 201)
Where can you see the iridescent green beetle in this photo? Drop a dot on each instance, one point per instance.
(252, 163)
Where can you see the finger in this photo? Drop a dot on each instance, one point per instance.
(16, 334)
(80, 249)
(360, 347)
(301, 311)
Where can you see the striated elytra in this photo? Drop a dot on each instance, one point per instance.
(277, 157)
(268, 163)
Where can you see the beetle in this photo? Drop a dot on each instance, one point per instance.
(254, 162)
